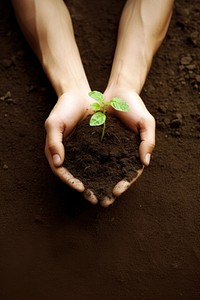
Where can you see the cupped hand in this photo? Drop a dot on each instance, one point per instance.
(70, 108)
(141, 122)
(73, 107)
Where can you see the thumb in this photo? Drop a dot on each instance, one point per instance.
(147, 135)
(54, 148)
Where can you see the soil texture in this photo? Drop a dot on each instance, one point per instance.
(100, 165)
(53, 243)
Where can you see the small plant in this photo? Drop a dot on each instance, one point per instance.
(99, 117)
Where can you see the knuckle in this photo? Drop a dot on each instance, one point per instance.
(50, 122)
(150, 119)
(47, 123)
(52, 147)
(147, 121)
(152, 146)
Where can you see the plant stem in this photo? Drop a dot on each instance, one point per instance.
(104, 124)
(103, 131)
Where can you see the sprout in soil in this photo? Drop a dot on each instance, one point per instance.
(99, 117)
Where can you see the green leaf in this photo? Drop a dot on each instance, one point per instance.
(97, 119)
(119, 104)
(95, 106)
(97, 96)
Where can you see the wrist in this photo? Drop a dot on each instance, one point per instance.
(70, 85)
(64, 81)
(126, 83)
(117, 90)
(130, 76)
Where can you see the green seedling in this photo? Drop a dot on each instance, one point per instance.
(99, 117)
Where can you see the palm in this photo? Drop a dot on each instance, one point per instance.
(69, 110)
(64, 117)
(138, 119)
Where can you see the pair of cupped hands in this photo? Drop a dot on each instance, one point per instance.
(70, 109)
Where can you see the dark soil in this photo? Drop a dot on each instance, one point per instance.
(100, 165)
(53, 243)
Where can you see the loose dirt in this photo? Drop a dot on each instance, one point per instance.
(101, 164)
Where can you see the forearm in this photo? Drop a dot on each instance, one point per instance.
(143, 26)
(48, 28)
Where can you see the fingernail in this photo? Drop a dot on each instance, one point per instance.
(147, 158)
(56, 159)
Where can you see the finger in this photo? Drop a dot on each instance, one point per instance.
(124, 184)
(54, 148)
(107, 201)
(90, 196)
(69, 179)
(61, 121)
(65, 175)
(147, 135)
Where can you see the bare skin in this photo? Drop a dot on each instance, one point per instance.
(143, 26)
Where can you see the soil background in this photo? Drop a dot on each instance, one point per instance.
(55, 245)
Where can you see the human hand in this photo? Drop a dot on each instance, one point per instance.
(140, 121)
(69, 110)
(64, 118)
